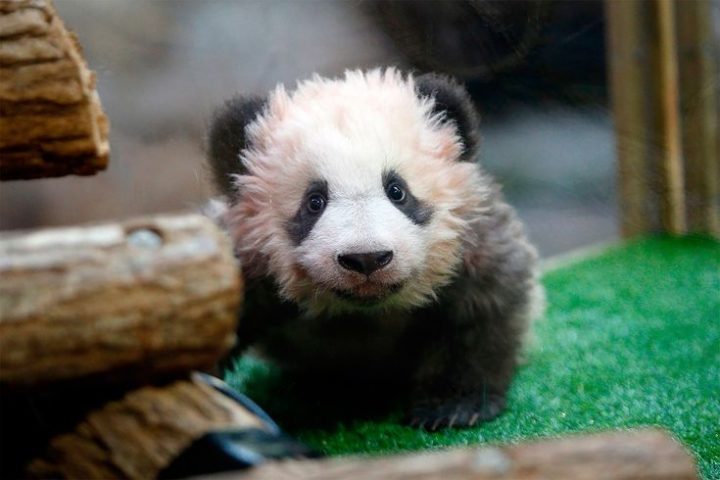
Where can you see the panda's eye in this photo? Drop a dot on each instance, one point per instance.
(395, 193)
(316, 203)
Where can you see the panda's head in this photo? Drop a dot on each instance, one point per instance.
(353, 192)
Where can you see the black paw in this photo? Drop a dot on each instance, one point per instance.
(458, 413)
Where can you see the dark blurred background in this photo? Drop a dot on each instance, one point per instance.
(536, 70)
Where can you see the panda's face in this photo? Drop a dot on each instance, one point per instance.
(361, 240)
(354, 197)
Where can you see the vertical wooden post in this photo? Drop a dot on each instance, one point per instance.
(699, 79)
(663, 76)
(673, 199)
(628, 59)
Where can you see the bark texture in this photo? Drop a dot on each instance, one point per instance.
(648, 455)
(51, 121)
(138, 436)
(140, 299)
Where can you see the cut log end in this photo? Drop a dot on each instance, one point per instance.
(51, 120)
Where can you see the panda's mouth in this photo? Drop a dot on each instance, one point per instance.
(368, 293)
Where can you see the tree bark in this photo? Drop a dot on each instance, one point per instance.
(646, 454)
(140, 435)
(51, 121)
(135, 300)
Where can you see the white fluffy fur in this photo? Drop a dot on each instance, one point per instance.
(348, 131)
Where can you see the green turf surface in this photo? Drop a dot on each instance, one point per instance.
(631, 338)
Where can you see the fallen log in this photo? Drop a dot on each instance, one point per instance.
(51, 121)
(135, 300)
(140, 435)
(648, 454)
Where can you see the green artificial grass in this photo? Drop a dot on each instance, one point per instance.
(631, 338)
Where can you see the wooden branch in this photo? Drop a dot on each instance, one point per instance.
(139, 299)
(700, 110)
(648, 455)
(51, 121)
(140, 435)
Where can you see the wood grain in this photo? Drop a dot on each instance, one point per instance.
(628, 59)
(648, 455)
(141, 298)
(138, 436)
(671, 151)
(700, 109)
(51, 121)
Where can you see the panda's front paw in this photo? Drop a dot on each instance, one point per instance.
(458, 413)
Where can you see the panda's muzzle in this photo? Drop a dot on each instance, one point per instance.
(365, 263)
(355, 297)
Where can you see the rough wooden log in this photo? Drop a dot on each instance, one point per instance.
(51, 121)
(140, 435)
(698, 58)
(143, 298)
(648, 455)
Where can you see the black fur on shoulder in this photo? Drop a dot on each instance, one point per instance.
(227, 138)
(453, 101)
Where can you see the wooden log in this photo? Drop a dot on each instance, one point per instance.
(700, 109)
(140, 435)
(629, 62)
(139, 299)
(51, 121)
(668, 90)
(646, 454)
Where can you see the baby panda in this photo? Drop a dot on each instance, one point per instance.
(372, 243)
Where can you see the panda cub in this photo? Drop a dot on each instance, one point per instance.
(372, 243)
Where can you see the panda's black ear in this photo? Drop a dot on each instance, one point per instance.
(453, 101)
(227, 138)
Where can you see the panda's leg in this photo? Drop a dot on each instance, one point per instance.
(463, 379)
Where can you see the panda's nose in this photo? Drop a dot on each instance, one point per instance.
(365, 263)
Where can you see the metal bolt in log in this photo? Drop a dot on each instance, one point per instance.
(140, 299)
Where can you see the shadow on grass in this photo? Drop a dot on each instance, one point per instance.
(299, 401)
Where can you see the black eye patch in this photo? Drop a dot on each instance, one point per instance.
(418, 212)
(309, 212)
